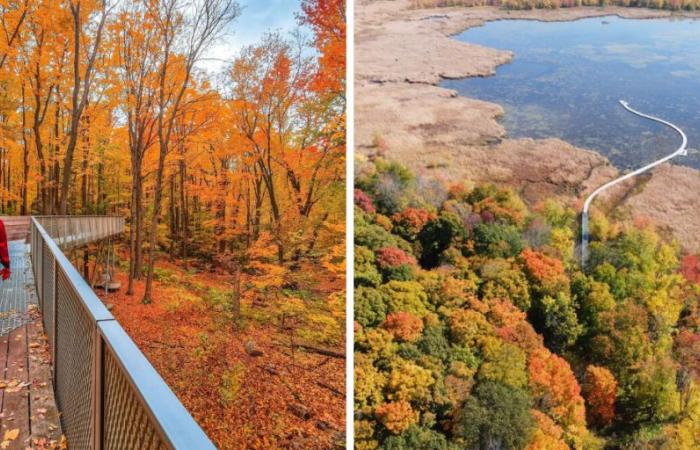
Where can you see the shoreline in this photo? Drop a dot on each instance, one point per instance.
(404, 114)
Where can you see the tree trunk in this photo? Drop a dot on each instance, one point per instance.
(184, 213)
(138, 263)
(236, 295)
(81, 94)
(153, 234)
(132, 234)
(84, 178)
(25, 157)
(173, 218)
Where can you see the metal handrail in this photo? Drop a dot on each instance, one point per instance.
(74, 231)
(170, 424)
(168, 414)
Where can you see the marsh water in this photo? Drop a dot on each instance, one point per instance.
(566, 79)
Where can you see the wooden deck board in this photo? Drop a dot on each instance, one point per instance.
(15, 405)
(43, 415)
(4, 341)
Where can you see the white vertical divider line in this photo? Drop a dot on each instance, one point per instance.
(350, 225)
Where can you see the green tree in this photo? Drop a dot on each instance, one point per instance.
(366, 273)
(497, 241)
(390, 186)
(370, 306)
(373, 236)
(496, 416)
(556, 319)
(407, 296)
(416, 437)
(436, 236)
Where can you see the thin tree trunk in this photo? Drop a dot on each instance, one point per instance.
(184, 213)
(153, 234)
(81, 93)
(173, 218)
(25, 157)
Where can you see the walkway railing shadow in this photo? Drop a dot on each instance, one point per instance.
(108, 394)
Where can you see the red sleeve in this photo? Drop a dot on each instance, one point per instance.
(4, 253)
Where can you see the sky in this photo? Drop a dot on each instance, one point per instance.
(257, 17)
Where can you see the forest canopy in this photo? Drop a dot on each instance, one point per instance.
(477, 328)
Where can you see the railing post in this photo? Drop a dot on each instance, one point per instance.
(54, 319)
(39, 270)
(97, 390)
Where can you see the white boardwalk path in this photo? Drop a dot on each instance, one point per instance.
(586, 205)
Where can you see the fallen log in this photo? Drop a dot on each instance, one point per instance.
(314, 349)
(330, 388)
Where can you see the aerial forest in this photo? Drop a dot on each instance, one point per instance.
(476, 326)
(232, 183)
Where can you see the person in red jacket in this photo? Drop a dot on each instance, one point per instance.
(4, 253)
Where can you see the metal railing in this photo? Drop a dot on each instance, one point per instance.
(74, 231)
(108, 394)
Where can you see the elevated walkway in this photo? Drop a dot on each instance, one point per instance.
(57, 336)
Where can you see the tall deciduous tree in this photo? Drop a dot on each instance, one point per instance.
(88, 22)
(184, 32)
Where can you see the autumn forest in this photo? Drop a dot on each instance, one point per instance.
(232, 183)
(476, 326)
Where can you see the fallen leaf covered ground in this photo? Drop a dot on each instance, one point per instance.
(284, 398)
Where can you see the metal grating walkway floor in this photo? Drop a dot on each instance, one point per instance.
(17, 293)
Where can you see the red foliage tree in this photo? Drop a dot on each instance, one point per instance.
(690, 268)
(388, 257)
(546, 273)
(600, 390)
(404, 326)
(457, 191)
(410, 221)
(687, 351)
(364, 202)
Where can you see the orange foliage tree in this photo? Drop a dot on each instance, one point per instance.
(556, 390)
(600, 390)
(404, 326)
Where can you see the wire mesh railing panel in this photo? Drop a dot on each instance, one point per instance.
(73, 366)
(127, 425)
(48, 288)
(108, 394)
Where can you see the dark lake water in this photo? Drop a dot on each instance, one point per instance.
(567, 77)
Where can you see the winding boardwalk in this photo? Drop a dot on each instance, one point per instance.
(586, 205)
